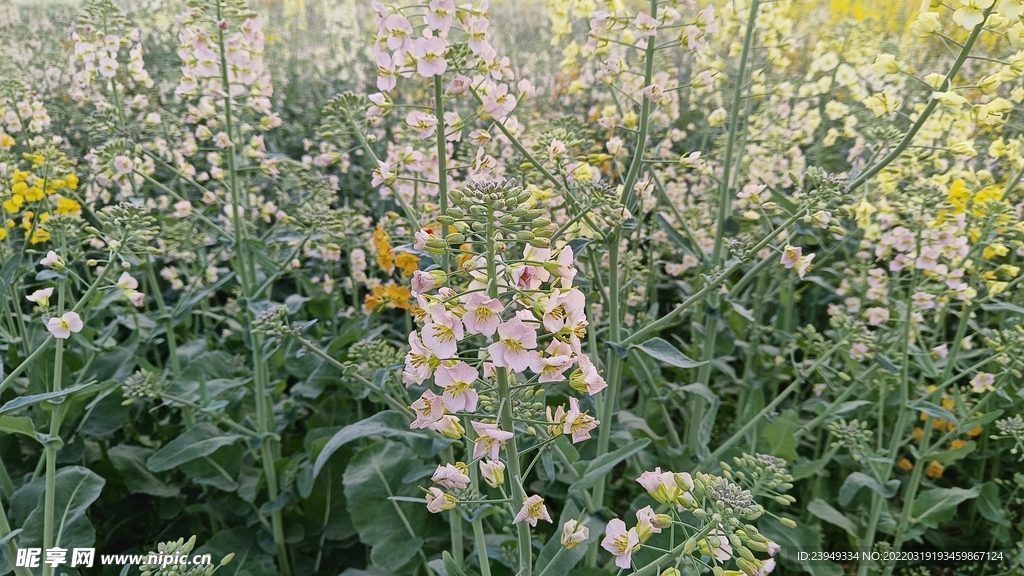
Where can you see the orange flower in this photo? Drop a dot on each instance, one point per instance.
(385, 252)
(391, 295)
(974, 432)
(905, 464)
(408, 262)
(957, 444)
(918, 433)
(935, 470)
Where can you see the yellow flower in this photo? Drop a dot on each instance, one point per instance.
(39, 236)
(13, 205)
(905, 464)
(19, 187)
(995, 250)
(68, 206)
(20, 175)
(34, 194)
(72, 181)
(935, 470)
(408, 262)
(3, 233)
(958, 443)
(6, 142)
(959, 195)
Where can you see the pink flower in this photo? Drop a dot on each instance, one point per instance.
(442, 333)
(438, 501)
(482, 314)
(476, 30)
(983, 382)
(123, 164)
(457, 381)
(451, 476)
(63, 327)
(803, 265)
(533, 509)
(586, 378)
(439, 14)
(429, 409)
(646, 26)
(135, 297)
(573, 534)
(515, 348)
(424, 124)
(552, 368)
(449, 426)
(417, 362)
(489, 440)
(498, 102)
(429, 53)
(877, 316)
(565, 269)
(493, 472)
(578, 424)
(620, 542)
(387, 77)
(664, 486)
(399, 29)
(790, 255)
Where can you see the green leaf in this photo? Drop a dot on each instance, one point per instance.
(681, 242)
(201, 440)
(58, 396)
(373, 476)
(854, 482)
(664, 351)
(389, 424)
(938, 505)
(808, 469)
(599, 467)
(130, 462)
(935, 411)
(990, 506)
(75, 488)
(450, 565)
(779, 435)
(826, 512)
(953, 454)
(18, 425)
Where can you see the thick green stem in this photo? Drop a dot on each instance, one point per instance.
(52, 444)
(442, 169)
(247, 275)
(697, 404)
(505, 421)
(481, 548)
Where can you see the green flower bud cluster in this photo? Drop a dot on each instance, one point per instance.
(272, 322)
(1012, 428)
(180, 548)
(338, 118)
(763, 474)
(723, 502)
(130, 226)
(139, 386)
(853, 435)
(374, 354)
(500, 204)
(527, 403)
(606, 210)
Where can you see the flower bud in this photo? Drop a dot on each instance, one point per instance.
(788, 522)
(673, 571)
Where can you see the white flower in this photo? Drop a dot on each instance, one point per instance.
(64, 326)
(41, 297)
(126, 282)
(52, 261)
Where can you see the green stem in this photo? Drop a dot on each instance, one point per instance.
(49, 496)
(247, 275)
(481, 548)
(697, 404)
(442, 172)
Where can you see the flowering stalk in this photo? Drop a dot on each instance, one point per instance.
(53, 443)
(247, 275)
(697, 406)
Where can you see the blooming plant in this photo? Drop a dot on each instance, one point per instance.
(536, 288)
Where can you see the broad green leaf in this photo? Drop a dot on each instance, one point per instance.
(130, 462)
(59, 396)
(779, 435)
(854, 482)
(372, 477)
(219, 469)
(201, 440)
(75, 488)
(17, 425)
(389, 424)
(599, 467)
(938, 505)
(664, 351)
(935, 411)
(826, 512)
(989, 505)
